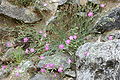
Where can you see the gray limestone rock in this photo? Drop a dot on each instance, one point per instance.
(48, 4)
(39, 77)
(98, 61)
(22, 14)
(4, 73)
(70, 73)
(109, 21)
(58, 59)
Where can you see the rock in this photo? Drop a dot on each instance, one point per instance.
(20, 73)
(58, 59)
(46, 76)
(4, 73)
(60, 2)
(51, 5)
(95, 1)
(98, 61)
(70, 73)
(22, 14)
(108, 22)
(69, 78)
(46, 5)
(8, 55)
(83, 2)
(48, 8)
(50, 19)
(18, 76)
(24, 66)
(115, 35)
(39, 77)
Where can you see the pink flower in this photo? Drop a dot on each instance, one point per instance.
(102, 5)
(42, 57)
(9, 44)
(86, 53)
(40, 32)
(26, 51)
(45, 4)
(69, 61)
(75, 37)
(110, 37)
(60, 69)
(17, 74)
(32, 50)
(44, 35)
(51, 65)
(42, 70)
(67, 41)
(54, 75)
(61, 46)
(46, 66)
(25, 39)
(90, 14)
(47, 47)
(71, 37)
(4, 67)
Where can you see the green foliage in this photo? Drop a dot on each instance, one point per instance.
(18, 55)
(36, 40)
(71, 22)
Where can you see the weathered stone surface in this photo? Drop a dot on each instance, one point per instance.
(4, 73)
(95, 1)
(70, 73)
(46, 76)
(58, 59)
(8, 55)
(48, 4)
(98, 61)
(18, 13)
(20, 73)
(115, 34)
(83, 2)
(39, 77)
(68, 78)
(109, 21)
(60, 2)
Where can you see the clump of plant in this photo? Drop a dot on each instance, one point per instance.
(72, 21)
(18, 55)
(65, 34)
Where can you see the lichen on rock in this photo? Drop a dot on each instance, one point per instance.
(98, 60)
(108, 21)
